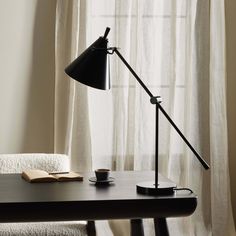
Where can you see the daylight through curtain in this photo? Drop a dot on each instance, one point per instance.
(178, 49)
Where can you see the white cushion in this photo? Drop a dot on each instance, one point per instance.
(16, 163)
(70, 228)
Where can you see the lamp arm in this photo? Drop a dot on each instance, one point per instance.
(203, 162)
(155, 101)
(133, 72)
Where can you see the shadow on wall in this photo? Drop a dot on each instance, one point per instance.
(38, 135)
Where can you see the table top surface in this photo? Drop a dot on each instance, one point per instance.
(20, 199)
(14, 189)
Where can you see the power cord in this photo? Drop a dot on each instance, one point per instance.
(183, 189)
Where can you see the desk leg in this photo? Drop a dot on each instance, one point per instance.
(161, 228)
(136, 227)
(91, 230)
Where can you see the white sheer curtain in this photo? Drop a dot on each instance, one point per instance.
(72, 130)
(178, 49)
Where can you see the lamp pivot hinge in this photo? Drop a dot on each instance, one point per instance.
(156, 99)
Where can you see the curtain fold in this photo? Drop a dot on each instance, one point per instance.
(222, 220)
(71, 130)
(178, 49)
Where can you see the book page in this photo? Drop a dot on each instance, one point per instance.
(37, 176)
(70, 176)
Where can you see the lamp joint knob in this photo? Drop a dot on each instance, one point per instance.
(155, 99)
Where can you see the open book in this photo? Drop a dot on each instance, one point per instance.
(35, 176)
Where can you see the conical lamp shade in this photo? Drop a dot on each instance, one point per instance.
(92, 66)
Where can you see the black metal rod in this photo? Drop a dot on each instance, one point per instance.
(157, 145)
(205, 165)
(106, 32)
(133, 72)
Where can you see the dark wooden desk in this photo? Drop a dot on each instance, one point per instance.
(21, 201)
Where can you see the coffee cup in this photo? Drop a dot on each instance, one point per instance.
(102, 174)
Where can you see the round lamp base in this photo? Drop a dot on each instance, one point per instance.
(163, 188)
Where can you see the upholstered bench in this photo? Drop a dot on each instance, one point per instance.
(15, 163)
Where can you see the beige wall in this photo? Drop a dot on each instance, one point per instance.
(231, 93)
(27, 75)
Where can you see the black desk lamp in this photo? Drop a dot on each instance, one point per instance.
(92, 68)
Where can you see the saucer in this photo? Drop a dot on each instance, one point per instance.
(107, 181)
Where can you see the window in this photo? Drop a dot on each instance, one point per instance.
(152, 37)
